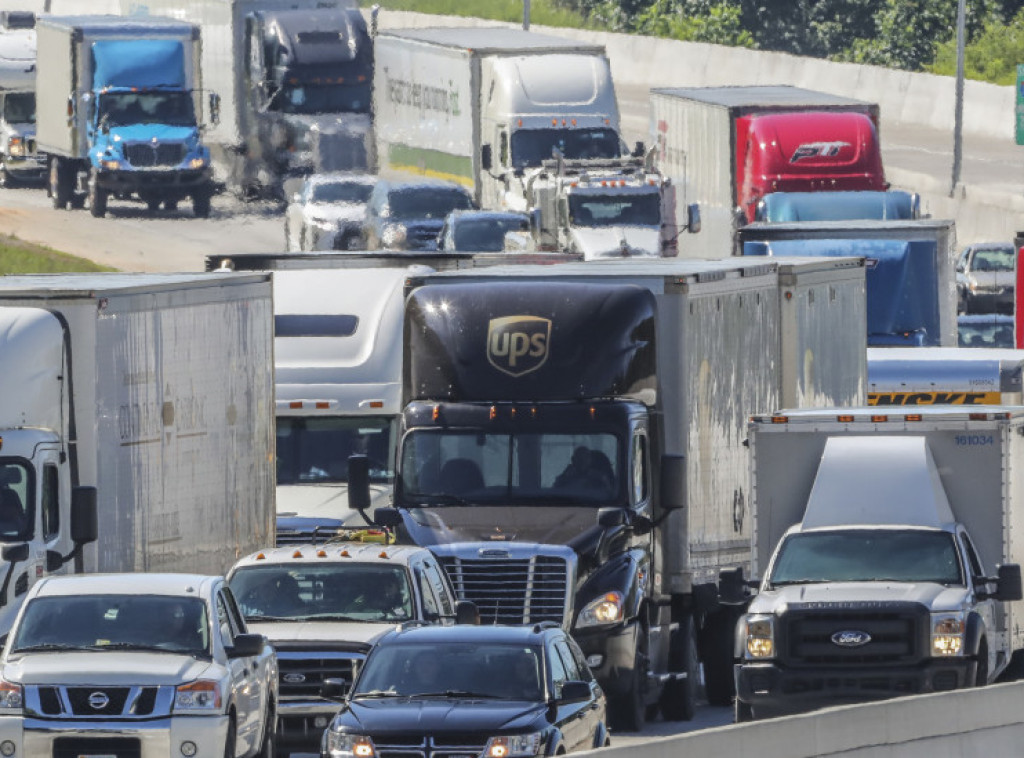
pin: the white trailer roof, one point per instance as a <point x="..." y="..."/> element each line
<point x="497" y="39"/>
<point x="767" y="96"/>
<point x="877" y="481"/>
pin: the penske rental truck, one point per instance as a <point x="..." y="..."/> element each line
<point x="571" y="445"/>
<point x="888" y="545"/>
<point x="944" y="376"/>
<point x="135" y="437"/>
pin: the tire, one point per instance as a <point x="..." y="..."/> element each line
<point x="97" y="197"/>
<point x="268" y="745"/>
<point x="170" y="205"/>
<point x="59" y="186"/>
<point x="153" y="205"/>
<point x="679" y="697"/>
<point x="629" y="711"/>
<point x="981" y="678"/>
<point x="229" y="740"/>
<point x="719" y="685"/>
<point x="5" y="178"/>
<point x="201" y="203"/>
<point x="742" y="712"/>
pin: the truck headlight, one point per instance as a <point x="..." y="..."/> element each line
<point x="11" y="697"/>
<point x="200" y="696"/>
<point x="110" y="165"/>
<point x="393" y="234"/>
<point x="948" y="631"/>
<point x="16" y="147"/>
<point x="606" y="609"/>
<point x="513" y="745"/>
<point x="345" y="745"/>
<point x="759" y="638"/>
<point x="199" y="162"/>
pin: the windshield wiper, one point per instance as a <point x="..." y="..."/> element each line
<point x="788" y="582"/>
<point x="331" y="617"/>
<point x="48" y="646"/>
<point x="260" y="617"/>
<point x="455" y="693"/>
<point x="438" y="500"/>
<point x="375" y="693"/>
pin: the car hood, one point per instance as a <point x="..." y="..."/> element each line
<point x="616" y="241"/>
<point x="992" y="278"/>
<point x="856" y="594"/>
<point x="336" y="211"/>
<point x="433" y="715"/>
<point x="105" y="668"/>
<point x="335" y="633"/>
<point x="328" y="503"/>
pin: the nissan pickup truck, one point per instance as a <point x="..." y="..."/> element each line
<point x="140" y="665"/>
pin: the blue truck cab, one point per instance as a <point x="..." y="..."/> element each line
<point x="127" y="122"/>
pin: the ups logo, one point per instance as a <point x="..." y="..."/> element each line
<point x="517" y="345"/>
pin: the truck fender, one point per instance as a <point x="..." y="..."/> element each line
<point x="627" y="574"/>
<point x="975" y="631"/>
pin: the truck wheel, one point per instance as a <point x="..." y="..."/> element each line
<point x="981" y="678"/>
<point x="201" y="204"/>
<point x="719" y="686"/>
<point x="153" y="205"/>
<point x="97" y="196"/>
<point x="742" y="712"/>
<point x="170" y="205"/>
<point x="679" y="698"/>
<point x="60" y="186"/>
<point x="268" y="745"/>
<point x="630" y="709"/>
<point x="229" y="740"/>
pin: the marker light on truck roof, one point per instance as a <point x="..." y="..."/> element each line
<point x="321" y="553"/>
<point x="845" y="419"/>
<point x="879" y="419"/>
<point x="261" y="557"/>
<point x="297" y="554"/>
<point x="780" y="419"/>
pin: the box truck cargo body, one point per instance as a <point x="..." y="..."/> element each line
<point x="116" y="385"/>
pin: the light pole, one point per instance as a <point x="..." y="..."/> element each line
<point x="526" y="15"/>
<point x="958" y="115"/>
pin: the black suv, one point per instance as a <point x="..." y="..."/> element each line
<point x="409" y="215"/>
<point x="487" y="691"/>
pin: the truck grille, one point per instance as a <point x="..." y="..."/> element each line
<point x="145" y="154"/>
<point x="898" y="635"/>
<point x="74" y="747"/>
<point x="302" y="673"/>
<point x="433" y="746"/>
<point x="513" y="591"/>
<point x="98" y="702"/>
<point x="319" y="535"/>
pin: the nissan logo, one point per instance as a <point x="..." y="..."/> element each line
<point x="294" y="678"/>
<point x="98" y="700"/>
<point x="851" y="638"/>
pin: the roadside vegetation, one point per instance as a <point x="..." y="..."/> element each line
<point x="20" y="257"/>
<point x="915" y="35"/>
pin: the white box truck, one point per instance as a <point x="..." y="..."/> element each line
<point x="484" y="107"/>
<point x="290" y="81"/>
<point x="890" y="545"/>
<point x="18" y="159"/>
<point x="136" y="421"/>
<point x="571" y="446"/>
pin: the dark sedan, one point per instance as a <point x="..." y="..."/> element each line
<point x="468" y="692"/>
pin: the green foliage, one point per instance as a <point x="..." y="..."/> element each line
<point x="714" y="21"/>
<point x="19" y="257"/>
<point x="544" y="12"/>
<point x="992" y="57"/>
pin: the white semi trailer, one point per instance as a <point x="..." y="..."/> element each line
<point x="135" y="437"/>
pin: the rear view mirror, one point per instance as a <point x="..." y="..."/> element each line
<point x="1008" y="585"/>
<point x="84" y="519"/>
<point x="358" y="482"/>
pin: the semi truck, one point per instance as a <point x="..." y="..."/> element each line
<point x="571" y="446"/>
<point x="911" y="279"/>
<point x="890" y="551"/>
<point x="120" y="111"/>
<point x="944" y="376"/>
<point x="338" y="389"/>
<point x="19" y="161"/>
<point x="484" y="107"/>
<point x="827" y="205"/>
<point x="135" y="437"/>
<point x="291" y="84"/>
<point x="725" y="148"/>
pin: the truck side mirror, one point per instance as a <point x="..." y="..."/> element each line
<point x="535" y="220"/>
<point x="15" y="553"/>
<point x="333" y="689"/>
<point x="611" y="517"/>
<point x="358" y="482"/>
<point x="693" y="218"/>
<point x="466" y="612"/>
<point x="1008" y="583"/>
<point x="84" y="519"/>
<point x="54" y="560"/>
<point x="388" y="518"/>
<point x="638" y="150"/>
<point x="732" y="587"/>
<point x="214" y="108"/>
<point x="485" y="157"/>
<point x="672" y="482"/>
<point x="247" y="646"/>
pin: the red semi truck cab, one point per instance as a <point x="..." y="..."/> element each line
<point x="805" y="151"/>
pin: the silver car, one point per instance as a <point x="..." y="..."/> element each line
<point x="328" y="213"/>
<point x="985" y="277"/>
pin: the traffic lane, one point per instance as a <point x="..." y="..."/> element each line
<point x="705" y="717"/>
<point x="131" y="238"/>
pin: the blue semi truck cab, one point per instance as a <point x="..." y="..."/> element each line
<point x="121" y="114"/>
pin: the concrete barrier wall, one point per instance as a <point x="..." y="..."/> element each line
<point x="982" y="723"/>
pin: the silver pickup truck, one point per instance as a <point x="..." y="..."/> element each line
<point x="136" y="666"/>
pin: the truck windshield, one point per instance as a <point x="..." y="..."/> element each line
<point x="323" y="592"/>
<point x="596" y="209"/>
<point x="494" y="670"/>
<point x="426" y="202"/>
<point x="15" y="502"/>
<point x="504" y="469"/>
<point x="868" y="555"/>
<point x="532" y="146"/>
<point x="322" y="98"/>
<point x="115" y="622"/>
<point x="315" y="450"/>
<point x="152" y="107"/>
<point x="20" y="108"/>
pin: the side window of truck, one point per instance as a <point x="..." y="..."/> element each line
<point x="503" y="148"/>
<point x="972" y="557"/>
<point x="228" y="630"/>
<point x="429" y="601"/>
<point x="639" y="480"/>
<point x="51" y="502"/>
<point x="444" y="598"/>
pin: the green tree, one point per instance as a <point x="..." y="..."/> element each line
<point x="991" y="57"/>
<point x="714" y="21"/>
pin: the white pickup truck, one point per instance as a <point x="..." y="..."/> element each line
<point x="136" y="665"/>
